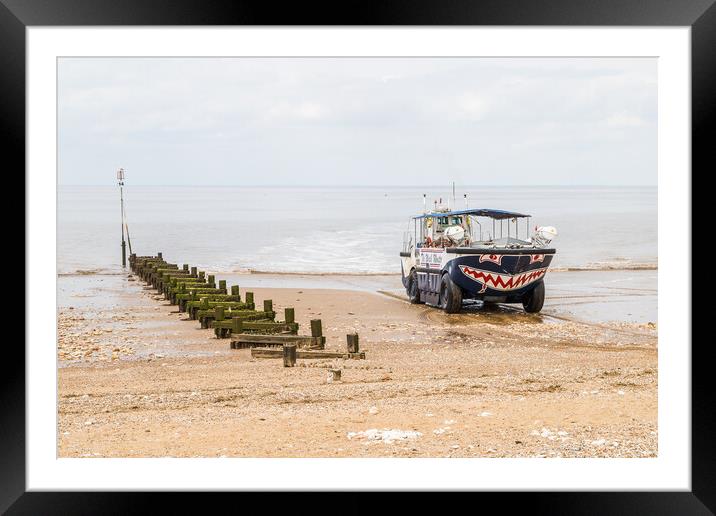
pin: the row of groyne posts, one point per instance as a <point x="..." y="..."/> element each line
<point x="234" y="318"/>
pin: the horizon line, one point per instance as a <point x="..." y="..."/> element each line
<point x="364" y="186"/>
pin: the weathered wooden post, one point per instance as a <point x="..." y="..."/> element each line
<point x="236" y="325"/>
<point x="205" y="303"/>
<point x="289" y="355"/>
<point x="316" y="328"/>
<point x="250" y="298"/>
<point x="222" y="284"/>
<point x="159" y="255"/>
<point x="211" y="278"/>
<point x="201" y="275"/>
<point x="288" y="315"/>
<point x="268" y="305"/>
<point x="352" y="339"/>
<point x="218" y="316"/>
<point x="234" y="290"/>
<point x="185" y="267"/>
<point x="193" y="271"/>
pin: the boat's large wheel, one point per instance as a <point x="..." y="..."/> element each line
<point x="534" y="299"/>
<point x="412" y="288"/>
<point x="450" y="295"/>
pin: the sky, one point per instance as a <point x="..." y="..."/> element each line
<point x="358" y="121"/>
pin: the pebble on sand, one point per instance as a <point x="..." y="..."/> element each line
<point x="386" y="435"/>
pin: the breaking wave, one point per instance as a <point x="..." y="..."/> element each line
<point x="91" y="272"/>
<point x="616" y="266"/>
<point x="592" y="267"/>
<point x="577" y="268"/>
<point x="320" y="273"/>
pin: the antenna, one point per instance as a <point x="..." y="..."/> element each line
<point x="425" y="200"/>
<point x="465" y="196"/>
<point x="453" y="196"/>
<point x="120" y="182"/>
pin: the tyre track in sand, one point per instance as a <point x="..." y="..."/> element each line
<point x="433" y="315"/>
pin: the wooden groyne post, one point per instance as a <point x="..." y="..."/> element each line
<point x="289" y="315"/>
<point x="289" y="355"/>
<point x="316" y="328"/>
<point x="352" y="339"/>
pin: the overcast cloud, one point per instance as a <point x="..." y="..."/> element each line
<point x="372" y="121"/>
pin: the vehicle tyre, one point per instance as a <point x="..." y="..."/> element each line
<point x="450" y="295"/>
<point x="534" y="299"/>
<point x="412" y="288"/>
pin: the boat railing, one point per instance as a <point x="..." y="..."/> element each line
<point x="407" y="241"/>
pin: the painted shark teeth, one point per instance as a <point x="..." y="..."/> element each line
<point x="502" y="282"/>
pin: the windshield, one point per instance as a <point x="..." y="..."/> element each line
<point x="473" y="231"/>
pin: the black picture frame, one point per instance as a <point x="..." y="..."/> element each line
<point x="700" y="15"/>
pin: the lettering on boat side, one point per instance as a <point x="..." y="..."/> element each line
<point x="432" y="258"/>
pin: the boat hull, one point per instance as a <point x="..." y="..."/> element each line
<point x="489" y="275"/>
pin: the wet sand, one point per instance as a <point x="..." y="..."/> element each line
<point x="135" y="379"/>
<point x="589" y="295"/>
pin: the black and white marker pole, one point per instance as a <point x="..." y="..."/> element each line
<point x="120" y="182"/>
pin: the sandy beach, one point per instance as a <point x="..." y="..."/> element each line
<point x="135" y="379"/>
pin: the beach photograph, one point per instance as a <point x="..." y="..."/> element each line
<point x="357" y="257"/>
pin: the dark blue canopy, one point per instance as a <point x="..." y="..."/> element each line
<point x="482" y="212"/>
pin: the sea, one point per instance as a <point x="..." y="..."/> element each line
<point x="335" y="230"/>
